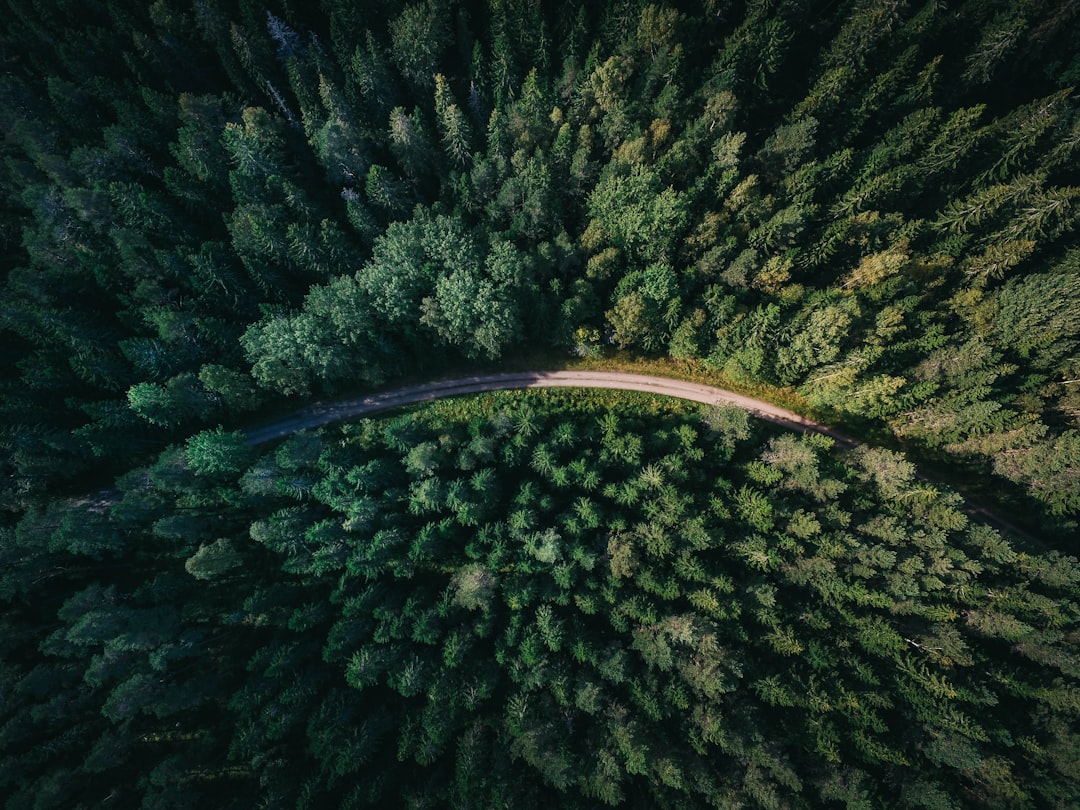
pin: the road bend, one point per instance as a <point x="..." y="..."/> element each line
<point x="320" y="414"/>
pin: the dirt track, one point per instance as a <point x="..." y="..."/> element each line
<point x="319" y="414"/>
<point x="324" y="414"/>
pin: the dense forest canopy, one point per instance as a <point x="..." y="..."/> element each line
<point x="874" y="204"/>
<point x="214" y="206"/>
<point x="543" y="600"/>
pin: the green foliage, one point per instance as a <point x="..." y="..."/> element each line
<point x="801" y="195"/>
<point x="634" y="213"/>
<point x="214" y="560"/>
<point x="207" y="207"/>
<point x="216" y="452"/>
<point x="597" y="612"/>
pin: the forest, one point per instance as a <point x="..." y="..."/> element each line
<point x="215" y="210"/>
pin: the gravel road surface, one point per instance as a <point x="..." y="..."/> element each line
<point x="323" y="414"/>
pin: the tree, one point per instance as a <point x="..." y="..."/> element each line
<point x="181" y="400"/>
<point x="630" y="210"/>
<point x="892" y="473"/>
<point x="419" y="35"/>
<point x="1049" y="469"/>
<point x="786" y="148"/>
<point x="471" y="312"/>
<point x="814" y="337"/>
<point x="1035" y="316"/>
<point x="455" y="127"/>
<point x="214" y="560"/>
<point x="474" y="587"/>
<point x="217" y="452"/>
<point x="198" y="147"/>
<point x="410" y="142"/>
<point x="646" y="308"/>
<point x="385" y="190"/>
<point x="332" y="340"/>
<point x="237" y="390"/>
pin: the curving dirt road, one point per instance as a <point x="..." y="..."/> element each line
<point x="320" y="414"/>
